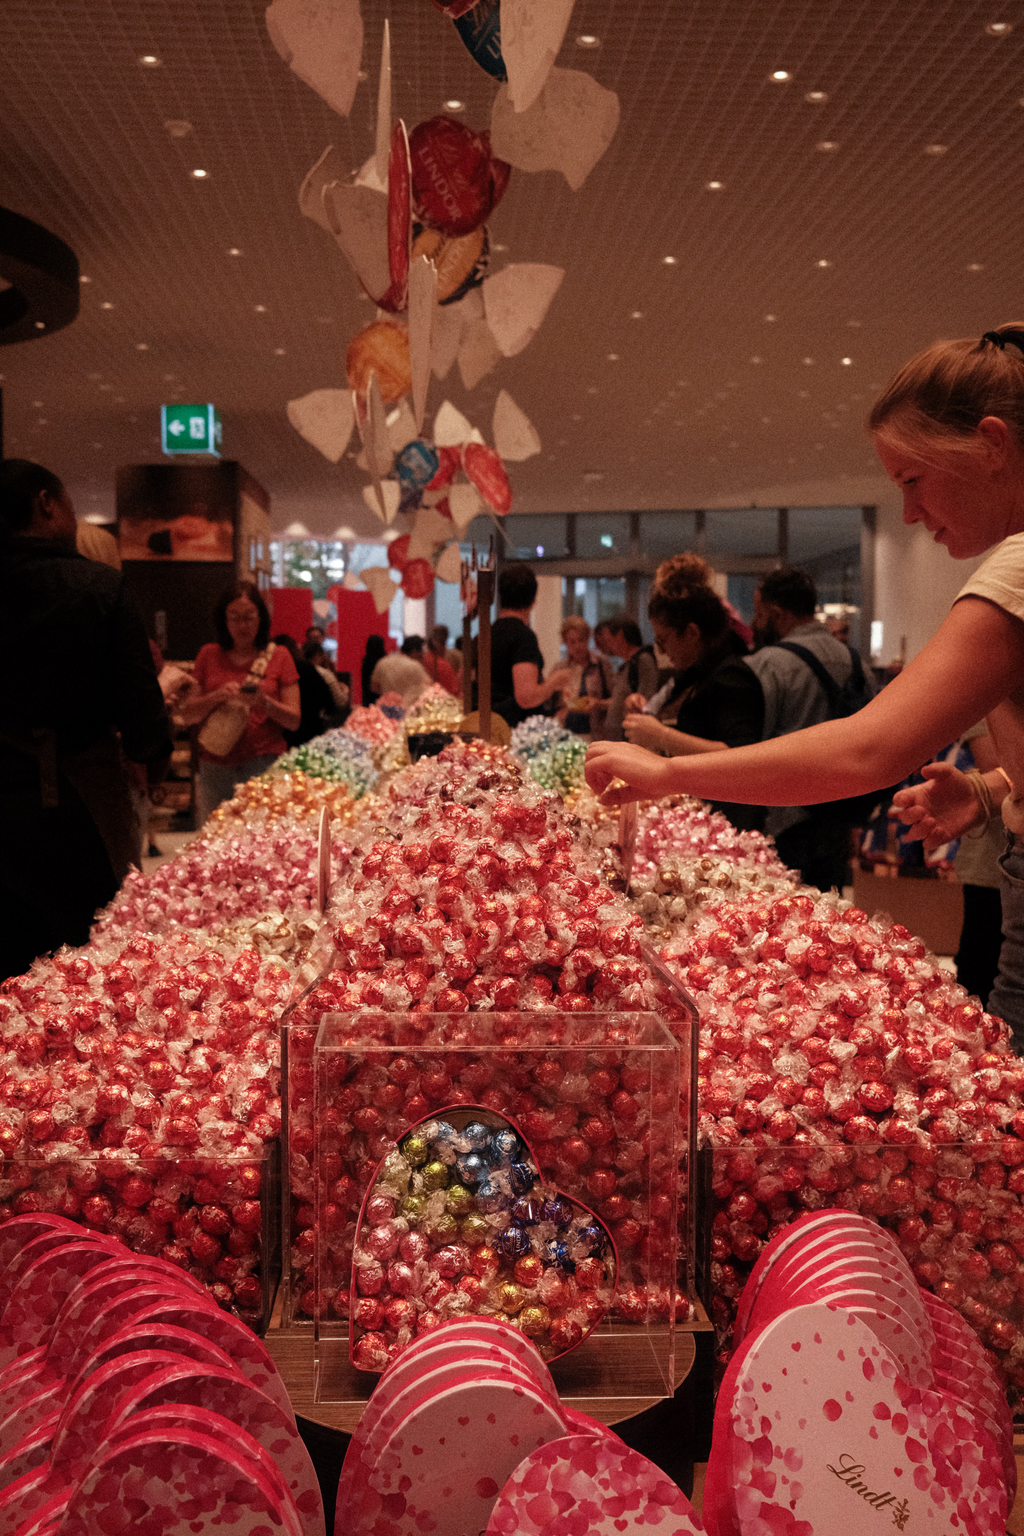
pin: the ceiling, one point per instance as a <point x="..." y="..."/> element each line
<point x="860" y="228"/>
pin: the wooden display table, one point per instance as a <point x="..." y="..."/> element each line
<point x="292" y="1351"/>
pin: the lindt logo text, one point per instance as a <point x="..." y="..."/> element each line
<point x="851" y="1472"/>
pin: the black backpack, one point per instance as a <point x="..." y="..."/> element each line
<point x="855" y="810"/>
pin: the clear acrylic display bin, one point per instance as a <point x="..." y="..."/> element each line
<point x="590" y="1094"/>
<point x="217" y="1217"/>
<point x="955" y="1210"/>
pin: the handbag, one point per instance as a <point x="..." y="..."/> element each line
<point x="224" y="726"/>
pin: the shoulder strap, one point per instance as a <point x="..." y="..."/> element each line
<point x="262" y="662"/>
<point x="828" y="683"/>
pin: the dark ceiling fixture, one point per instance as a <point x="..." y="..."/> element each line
<point x="42" y="272"/>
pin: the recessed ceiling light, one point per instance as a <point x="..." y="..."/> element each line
<point x="613" y="357"/>
<point x="669" y="261"/>
<point x="822" y="263"/>
<point x="142" y="346"/>
<point x="855" y="324"/>
<point x="499" y="247"/>
<point x="455" y="106"/>
<point x="780" y="76"/>
<point x="757" y="359"/>
<point x="362" y="75"/>
<point x="279" y="351"/>
<point x="936" y="149"/>
<point x="975" y="266"/>
<point x="998" y="28"/>
<point x="808" y="362"/>
<point x="770" y="319"/>
<point x="592" y="389"/>
<point x="106" y="304"/>
<point x="847" y="362"/>
<point x="37" y="405"/>
<point x="715" y="186"/>
<point x="817" y="98"/>
<point x="588" y="40"/>
<point x="178" y="127"/>
<point x="199" y="175"/>
<point x="83" y="279"/>
<point x="260" y="309"/>
<point x="827" y="145"/>
<point x="637" y="314"/>
<point x="150" y="60"/>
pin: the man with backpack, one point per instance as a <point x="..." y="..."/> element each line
<point x="807" y="676"/>
<point x="638" y="674"/>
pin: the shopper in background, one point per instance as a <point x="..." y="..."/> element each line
<point x="375" y="650"/>
<point x="636" y="680"/>
<point x="79" y="675"/>
<point x="949" y="430"/>
<point x="438" y="641"/>
<point x="401" y="673"/>
<point x="715" y="700"/>
<point x="591" y="679"/>
<point x="680" y="572"/>
<point x="248" y="690"/>
<point x="977" y="868"/>
<point x="518" y="687"/>
<point x="433" y="659"/>
<point x="314" y="644"/>
<point x="316" y="702"/>
<point x="341" y="695"/>
<point x="815" y="841"/>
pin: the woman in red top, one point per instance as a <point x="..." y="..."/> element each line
<point x="243" y="626"/>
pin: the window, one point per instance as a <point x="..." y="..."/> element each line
<point x="593" y="530"/>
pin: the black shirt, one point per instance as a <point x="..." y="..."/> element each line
<point x="76" y="657"/>
<point x="512" y="641"/>
<point x="720" y="699"/>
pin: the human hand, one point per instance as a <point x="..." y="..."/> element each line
<point x="644" y="731"/>
<point x="644" y="775"/>
<point x="635" y="704"/>
<point x="560" y="679"/>
<point x="258" y="706"/>
<point x="942" y="808"/>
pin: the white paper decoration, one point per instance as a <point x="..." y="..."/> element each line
<point x="449" y="566"/>
<point x="515" y="436"/>
<point x="531" y="36"/>
<point x="516" y="299"/>
<point x="325" y="418"/>
<point x="567" y="129"/>
<point x="321" y="41"/>
<point x="377" y="580"/>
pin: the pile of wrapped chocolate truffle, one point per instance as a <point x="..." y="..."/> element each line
<point x="840" y="1064"/>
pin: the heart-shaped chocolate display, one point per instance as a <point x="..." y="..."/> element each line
<point x="456" y="1222"/>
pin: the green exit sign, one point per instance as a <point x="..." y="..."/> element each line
<point x="189" y="429"/>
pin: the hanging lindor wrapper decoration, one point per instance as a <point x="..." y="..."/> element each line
<point x="456" y="181"/>
<point x="480" y="30"/>
<point x="380" y="348"/>
<point x="485" y="469"/>
<point x="417" y="578"/>
<point x="396" y="298"/>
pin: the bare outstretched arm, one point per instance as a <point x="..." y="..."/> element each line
<point x="974" y="660"/>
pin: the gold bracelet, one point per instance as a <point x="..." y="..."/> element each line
<point x="1004" y="775"/>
